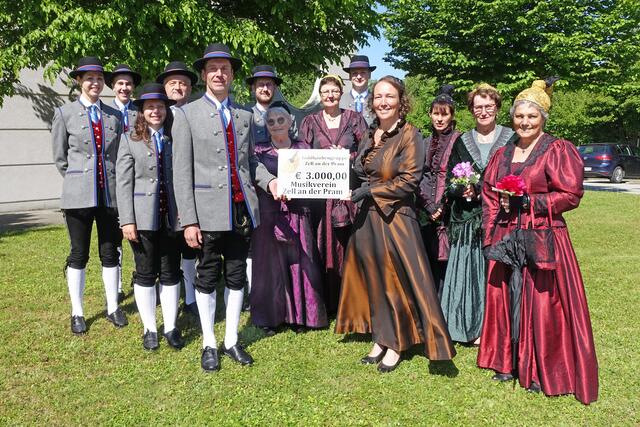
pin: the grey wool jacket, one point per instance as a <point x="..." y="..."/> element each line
<point x="138" y="183"/>
<point x="201" y="169"/>
<point x="76" y="158"/>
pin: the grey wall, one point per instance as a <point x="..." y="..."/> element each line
<point x="28" y="178"/>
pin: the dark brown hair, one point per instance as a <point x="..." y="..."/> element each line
<point x="484" y="91"/>
<point x="405" y="102"/>
<point x="442" y="107"/>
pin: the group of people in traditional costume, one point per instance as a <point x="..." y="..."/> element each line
<point x="193" y="187"/>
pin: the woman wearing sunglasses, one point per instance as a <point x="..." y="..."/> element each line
<point x="463" y="290"/>
<point x="286" y="287"/>
<point x="333" y="128"/>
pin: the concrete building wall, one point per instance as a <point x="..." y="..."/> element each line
<point x="28" y="178"/>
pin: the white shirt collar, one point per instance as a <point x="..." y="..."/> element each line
<point x="217" y="103"/>
<point x="84" y="101"/>
<point x="355" y="94"/>
<point x="120" y="105"/>
<point x="160" y="131"/>
<point x="260" y="108"/>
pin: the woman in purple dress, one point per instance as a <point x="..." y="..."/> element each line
<point x="333" y="128"/>
<point x="286" y="285"/>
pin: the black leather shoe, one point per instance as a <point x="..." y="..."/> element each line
<point x="174" y="338"/>
<point x="386" y="368"/>
<point x="502" y="377"/>
<point x="209" y="360"/>
<point x="534" y="388"/>
<point x="268" y="331"/>
<point x="78" y="326"/>
<point x="372" y="360"/>
<point x="238" y="354"/>
<point x="118" y="318"/>
<point x="150" y="340"/>
<point x="192" y="309"/>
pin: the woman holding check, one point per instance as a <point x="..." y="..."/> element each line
<point x="286" y="283"/>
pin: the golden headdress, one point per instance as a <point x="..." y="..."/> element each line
<point x="485" y="86"/>
<point x="539" y="93"/>
<point x="334" y="76"/>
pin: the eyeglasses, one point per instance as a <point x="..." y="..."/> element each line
<point x="280" y="121"/>
<point x="488" y="108"/>
<point x="331" y="91"/>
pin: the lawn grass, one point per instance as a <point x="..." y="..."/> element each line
<point x="48" y="376"/>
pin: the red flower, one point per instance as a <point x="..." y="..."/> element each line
<point x="513" y="184"/>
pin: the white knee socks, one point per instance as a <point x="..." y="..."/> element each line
<point x="233" y="299"/>
<point x="146" y="302"/>
<point x="119" y="269"/>
<point x="189" y="275"/>
<point x="249" y="275"/>
<point x="110" y="279"/>
<point x="75" y="282"/>
<point x="207" y="311"/>
<point x="169" y="297"/>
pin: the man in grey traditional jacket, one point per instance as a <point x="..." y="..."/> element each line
<point x="215" y="170"/>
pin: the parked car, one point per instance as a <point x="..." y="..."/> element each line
<point x="610" y="160"/>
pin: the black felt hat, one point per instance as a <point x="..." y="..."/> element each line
<point x="153" y="91"/>
<point x="217" y="50"/>
<point x="359" y="61"/>
<point x="179" y="68"/>
<point x="89" y="63"/>
<point x="123" y="69"/>
<point x="445" y="95"/>
<point x="263" y="71"/>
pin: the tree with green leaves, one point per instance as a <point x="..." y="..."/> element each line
<point x="295" y="36"/>
<point x="593" y="45"/>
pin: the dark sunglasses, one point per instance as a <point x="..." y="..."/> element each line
<point x="272" y="122"/>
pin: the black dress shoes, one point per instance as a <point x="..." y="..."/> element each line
<point x="502" y="377"/>
<point x="534" y="388"/>
<point x="386" y="368"/>
<point x="209" y="360"/>
<point x="118" y="318"/>
<point x="268" y="331"/>
<point x="78" y="326"/>
<point x="238" y="354"/>
<point x="372" y="360"/>
<point x="150" y="340"/>
<point x="174" y="338"/>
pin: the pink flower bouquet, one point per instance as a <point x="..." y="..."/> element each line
<point x="464" y="176"/>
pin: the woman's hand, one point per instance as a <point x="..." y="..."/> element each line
<point x="504" y="202"/>
<point x="469" y="193"/>
<point x="436" y="215"/>
<point x="130" y="232"/>
<point x="273" y="189"/>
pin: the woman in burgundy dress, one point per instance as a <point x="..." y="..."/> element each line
<point x="333" y="128"/>
<point x="555" y="351"/>
<point x="286" y="283"/>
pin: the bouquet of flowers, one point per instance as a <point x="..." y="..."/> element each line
<point x="511" y="185"/>
<point x="464" y="175"/>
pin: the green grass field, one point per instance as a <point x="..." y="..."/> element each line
<point x="48" y="376"/>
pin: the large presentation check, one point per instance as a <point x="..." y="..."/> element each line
<point x="313" y="174"/>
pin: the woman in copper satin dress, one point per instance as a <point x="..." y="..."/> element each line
<point x="555" y="351"/>
<point x="387" y="286"/>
